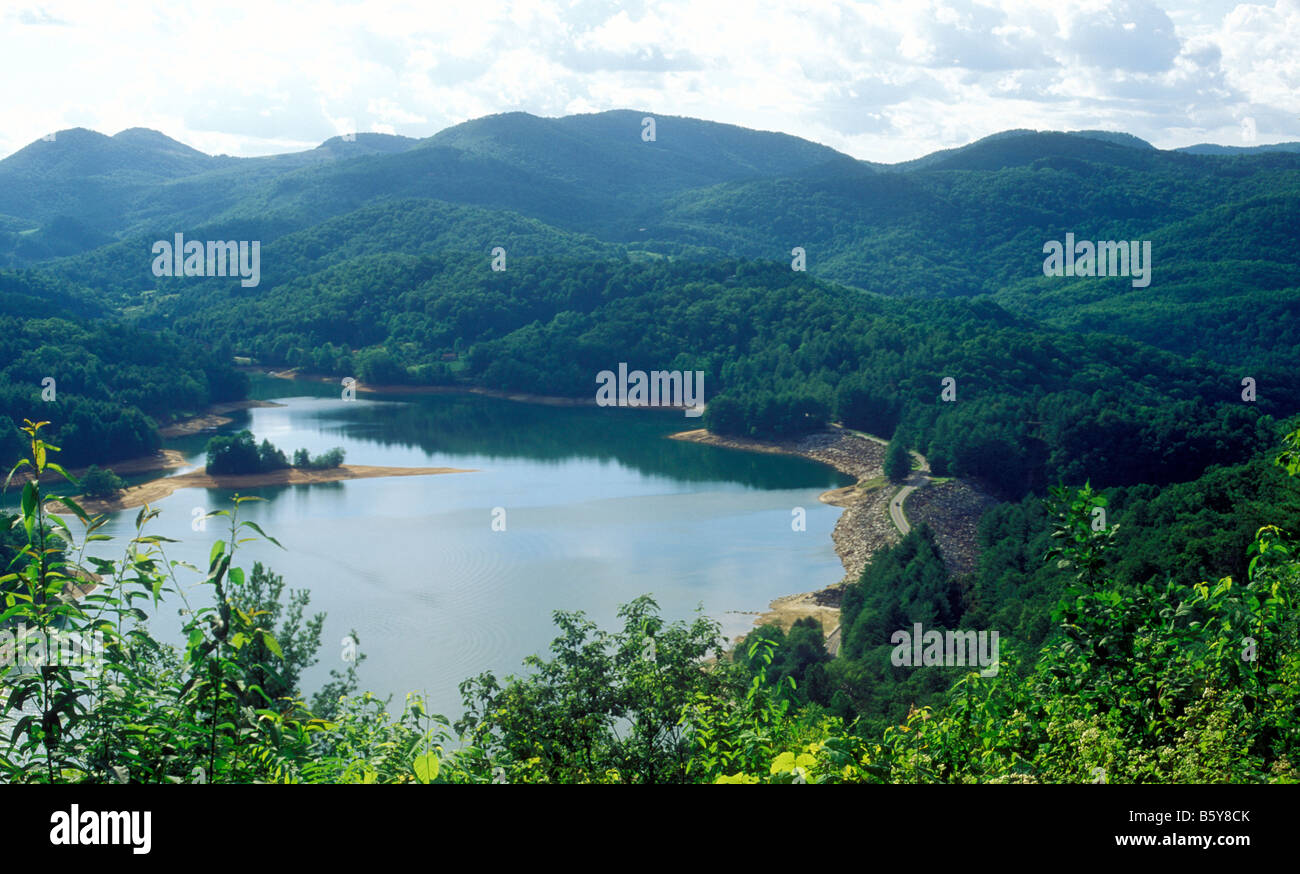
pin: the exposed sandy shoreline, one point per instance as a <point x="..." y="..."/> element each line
<point x="211" y="418"/>
<point x="163" y="459"/>
<point x="156" y="490"/>
<point x="167" y="459"/>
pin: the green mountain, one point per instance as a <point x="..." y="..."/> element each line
<point x="1215" y="149"/>
<point x="375" y="260"/>
<point x="582" y="173"/>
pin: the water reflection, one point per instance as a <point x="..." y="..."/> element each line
<point x="471" y="425"/>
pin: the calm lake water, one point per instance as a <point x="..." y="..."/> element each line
<point x="599" y="508"/>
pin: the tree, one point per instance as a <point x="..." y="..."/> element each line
<point x="275" y="672"/>
<point x="898" y="462"/>
<point x="101" y="484"/>
<point x="799" y="654"/>
<point x="725" y="415"/>
<point x="270" y="458"/>
<point x="380" y="367"/>
<point x="857" y="406"/>
<point x="608" y="706"/>
<point x="233" y="454"/>
<point x="303" y="459"/>
<point x="239" y="454"/>
<point x="333" y="458"/>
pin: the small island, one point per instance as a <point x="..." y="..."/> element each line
<point x="237" y="462"/>
<point x="238" y="454"/>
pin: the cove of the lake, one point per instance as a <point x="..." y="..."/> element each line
<point x="599" y="507"/>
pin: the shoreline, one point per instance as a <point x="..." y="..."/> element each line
<point x="163" y="459"/>
<point x="857" y="533"/>
<point x="210" y="419"/>
<point x="383" y="389"/>
<point x="500" y="394"/>
<point x="862" y="528"/>
<point x="156" y="490"/>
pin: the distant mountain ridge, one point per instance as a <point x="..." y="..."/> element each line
<point x="591" y="174"/>
<point x="596" y="166"/>
<point x="711" y="151"/>
<point x="959" y="222"/>
<point x="1215" y="149"/>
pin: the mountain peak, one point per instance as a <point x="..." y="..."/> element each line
<point x="72" y="135"/>
<point x="1020" y="147"/>
<point x="1119" y="138"/>
<point x="78" y="153"/>
<point x="366" y="144"/>
<point x="143" y="137"/>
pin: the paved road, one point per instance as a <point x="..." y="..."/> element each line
<point x="896" y="506"/>
<point x="914" y="481"/>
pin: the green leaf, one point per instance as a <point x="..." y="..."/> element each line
<point x="217" y="548"/>
<point x="272" y="644"/>
<point x="21" y="463"/>
<point x="425" y="768"/>
<point x="259" y="530"/>
<point x="29" y="506"/>
<point x="59" y="470"/>
<point x="782" y="763"/>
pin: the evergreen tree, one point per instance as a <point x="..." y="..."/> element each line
<point x="898" y="463"/>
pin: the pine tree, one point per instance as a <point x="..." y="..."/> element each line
<point x="898" y="464"/>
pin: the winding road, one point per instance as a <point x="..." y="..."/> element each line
<point x="915" y="480"/>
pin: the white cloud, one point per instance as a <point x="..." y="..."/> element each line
<point x="1260" y="48"/>
<point x="885" y="80"/>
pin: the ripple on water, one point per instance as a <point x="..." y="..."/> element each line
<point x="450" y="616"/>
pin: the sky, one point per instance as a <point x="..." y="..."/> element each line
<point x="883" y="81"/>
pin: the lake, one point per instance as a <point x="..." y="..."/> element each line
<point x="599" y="508"/>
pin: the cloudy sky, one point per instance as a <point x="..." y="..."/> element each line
<point x="885" y="81"/>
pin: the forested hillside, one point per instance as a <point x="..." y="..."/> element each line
<point x="1181" y="534"/>
<point x="970" y="221"/>
<point x="111" y="384"/>
<point x="1033" y="404"/>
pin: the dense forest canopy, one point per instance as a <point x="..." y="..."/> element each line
<point x="107" y="384"/>
<point x="782" y="352"/>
